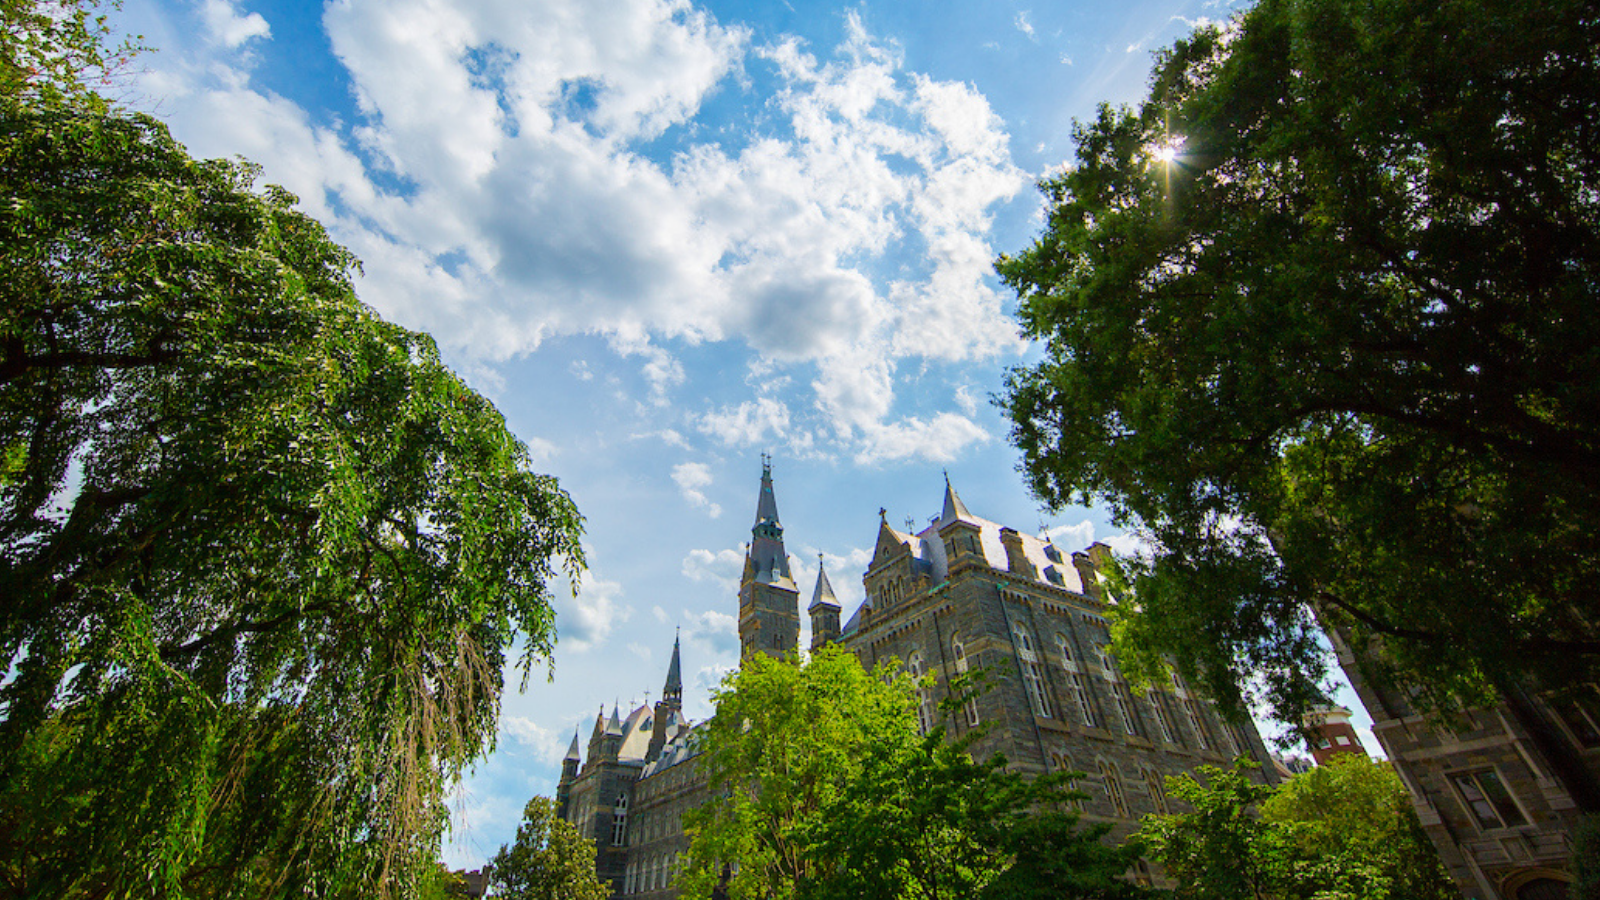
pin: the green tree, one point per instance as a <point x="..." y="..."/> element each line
<point x="1319" y="317"/>
<point x="53" y="48"/>
<point x="263" y="555"/>
<point x="1340" y="832"/>
<point x="829" y="792"/>
<point x="1352" y="820"/>
<point x="549" y="860"/>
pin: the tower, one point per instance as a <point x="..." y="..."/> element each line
<point x="669" y="707"/>
<point x="769" y="602"/>
<point x="824" y="610"/>
<point x="569" y="774"/>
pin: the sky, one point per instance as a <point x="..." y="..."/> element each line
<point x="665" y="237"/>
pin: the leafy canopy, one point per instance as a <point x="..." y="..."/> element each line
<point x="1345" y="831"/>
<point x="1319" y="316"/>
<point x="549" y="860"/>
<point x="263" y="555"/>
<point x="822" y="788"/>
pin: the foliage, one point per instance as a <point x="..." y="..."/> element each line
<point x="1319" y="317"/>
<point x="52" y="48"/>
<point x="1345" y="831"/>
<point x="263" y="555"/>
<point x="827" y="791"/>
<point x="549" y="860"/>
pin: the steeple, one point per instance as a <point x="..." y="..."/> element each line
<point x="572" y="751"/>
<point x="672" y="691"/>
<point x="824" y="610"/>
<point x="953" y="507"/>
<point x="767" y="561"/>
<point x="823" y="594"/>
<point x="769" y="602"/>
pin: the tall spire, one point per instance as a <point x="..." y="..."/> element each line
<point x="823" y="594"/>
<point x="767" y="556"/>
<point x="673" y="691"/>
<point x="573" y="752"/>
<point x="953" y="507"/>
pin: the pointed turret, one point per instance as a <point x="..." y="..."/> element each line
<point x="672" y="691"/>
<point x="824" y="610"/>
<point x="569" y="774"/>
<point x="614" y="724"/>
<point x="953" y="507"/>
<point x="668" y="707"/>
<point x="573" y="752"/>
<point x="769" y="602"/>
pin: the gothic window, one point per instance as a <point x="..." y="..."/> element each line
<point x="959" y="651"/>
<point x="1486" y="796"/>
<point x="1163" y="726"/>
<point x="1113" y="783"/>
<point x="1193" y="713"/>
<point x="629" y="881"/>
<point x="1124" y="707"/>
<point x="1075" y="685"/>
<point x="1063" y="763"/>
<point x="1032" y="677"/>
<point x="1154" y="783"/>
<point x="1231" y="738"/>
<point x="1102" y="652"/>
<point x="619" y="821"/>
<point x="1581" y="718"/>
<point x="924" y="696"/>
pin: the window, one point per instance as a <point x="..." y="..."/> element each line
<point x="959" y="651"/>
<point x="924" y="696"/>
<point x="1032" y="677"/>
<point x="1113" y="783"/>
<point x="1194" y="723"/>
<point x="619" y="821"/>
<point x="1063" y="763"/>
<point x="1075" y="686"/>
<point x="1156" y="786"/>
<point x="1124" y="707"/>
<point x="1491" y="804"/>
<point x="1581" y="718"/>
<point x="1231" y="735"/>
<point x="1163" y="725"/>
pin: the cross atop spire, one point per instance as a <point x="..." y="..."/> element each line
<point x="766" y="554"/>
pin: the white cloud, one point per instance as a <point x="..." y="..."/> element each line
<point x="721" y="567"/>
<point x="540" y="451"/>
<point x="225" y="26"/>
<point x="586" y="620"/>
<point x="1022" y="23"/>
<point x="965" y="402"/>
<point x="718" y="631"/>
<point x="939" y="439"/>
<point x="543" y="743"/>
<point x="1073" y="537"/>
<point x="690" y="478"/>
<point x="750" y="423"/>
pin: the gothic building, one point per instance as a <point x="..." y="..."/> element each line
<point x="964" y="594"/>
<point x="1494" y="787"/>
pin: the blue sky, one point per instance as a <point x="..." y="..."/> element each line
<point x="665" y="237"/>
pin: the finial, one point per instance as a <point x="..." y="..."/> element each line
<point x="882" y="513"/>
<point x="911" y="523"/>
<point x="946" y="477"/>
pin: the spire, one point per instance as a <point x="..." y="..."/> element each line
<point x="572" y="752"/>
<point x="672" y="692"/>
<point x="767" y="557"/>
<point x="599" y="722"/>
<point x="615" y="724"/>
<point x="953" y="507"/>
<point x="823" y="595"/>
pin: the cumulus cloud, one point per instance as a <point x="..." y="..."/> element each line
<point x="941" y="439"/>
<point x="716" y="630"/>
<point x="1023" y="24"/>
<point x="720" y="567"/>
<point x="501" y="187"/>
<point x="1073" y="537"/>
<point x="587" y="619"/>
<point x="691" y="478"/>
<point x="528" y="735"/>
<point x="226" y="27"/>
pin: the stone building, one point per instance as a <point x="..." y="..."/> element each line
<point x="1493" y="787"/>
<point x="963" y="595"/>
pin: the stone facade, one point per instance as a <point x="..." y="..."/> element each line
<point x="965" y="595"/>
<point x="1486" y="790"/>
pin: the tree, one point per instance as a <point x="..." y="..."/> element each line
<point x="827" y="791"/>
<point x="549" y="860"/>
<point x="1340" y="832"/>
<point x="263" y="555"/>
<point x="1351" y="821"/>
<point x="1319" y="317"/>
<point x="51" y="48"/>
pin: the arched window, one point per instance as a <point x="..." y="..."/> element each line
<point x="1032" y="677"/>
<point x="958" y="650"/>
<point x="1193" y="713"/>
<point x="1156" y="786"/>
<point x="1075" y="684"/>
<point x="1113" y="784"/>
<point x="924" y="696"/>
<point x="1119" y="691"/>
<point x="619" y="821"/>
